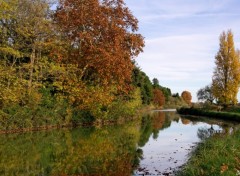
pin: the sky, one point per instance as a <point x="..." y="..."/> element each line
<point x="182" y="39"/>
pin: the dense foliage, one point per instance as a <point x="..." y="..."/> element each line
<point x="225" y="81"/>
<point x="187" y="97"/>
<point x="158" y="98"/>
<point x="226" y="75"/>
<point x="71" y="65"/>
<point x="210" y="113"/>
<point x="205" y="94"/>
<point x="141" y="80"/>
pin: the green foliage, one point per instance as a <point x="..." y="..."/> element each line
<point x="165" y="90"/>
<point x="205" y="94"/>
<point x="176" y="95"/>
<point x="213" y="114"/>
<point x="235" y="109"/>
<point x="122" y="108"/>
<point x="51" y="77"/>
<point x="141" y="80"/>
<point x="175" y="102"/>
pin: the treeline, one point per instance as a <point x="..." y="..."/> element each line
<point x="152" y="93"/>
<point x="71" y="65"/>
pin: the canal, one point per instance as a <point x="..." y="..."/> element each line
<point x="159" y="143"/>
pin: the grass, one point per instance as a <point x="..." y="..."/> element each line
<point x="218" y="155"/>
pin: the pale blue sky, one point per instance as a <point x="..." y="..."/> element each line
<point x="182" y="39"/>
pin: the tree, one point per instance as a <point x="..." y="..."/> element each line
<point x="155" y="83"/>
<point x="158" y="97"/>
<point x="165" y="90"/>
<point x="101" y="40"/>
<point x="205" y="94"/>
<point x="226" y="76"/>
<point x="25" y="31"/>
<point x="141" y="80"/>
<point x="187" y="97"/>
<point x="25" y="27"/>
<point x="176" y="95"/>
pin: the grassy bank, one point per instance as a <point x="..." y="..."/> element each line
<point x="200" y="112"/>
<point x="219" y="155"/>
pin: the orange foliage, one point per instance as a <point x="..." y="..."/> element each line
<point x="185" y="121"/>
<point x="101" y="40"/>
<point x="158" y="120"/>
<point x="158" y="97"/>
<point x="187" y="97"/>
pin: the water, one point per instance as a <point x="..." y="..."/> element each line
<point x="157" y="144"/>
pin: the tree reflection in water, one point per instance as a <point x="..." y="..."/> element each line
<point x="153" y="123"/>
<point x="115" y="150"/>
<point x="106" y="151"/>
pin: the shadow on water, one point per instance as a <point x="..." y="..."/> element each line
<point x="158" y="144"/>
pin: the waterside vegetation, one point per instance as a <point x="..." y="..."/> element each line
<point x="71" y="64"/>
<point x="218" y="155"/>
<point x="210" y="113"/>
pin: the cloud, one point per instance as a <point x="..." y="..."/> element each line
<point x="182" y="39"/>
<point x="178" y="55"/>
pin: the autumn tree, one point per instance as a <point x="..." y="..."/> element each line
<point x="101" y="40"/>
<point x="187" y="97"/>
<point x="205" y="94"/>
<point x="226" y="77"/>
<point x="25" y="33"/>
<point x="77" y="59"/>
<point x="33" y="27"/>
<point x="158" y="97"/>
<point x="24" y="28"/>
<point x="165" y="90"/>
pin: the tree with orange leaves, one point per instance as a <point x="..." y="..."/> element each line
<point x="158" y="97"/>
<point x="187" y="97"/>
<point x="101" y="40"/>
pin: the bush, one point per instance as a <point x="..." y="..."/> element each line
<point x="214" y="114"/>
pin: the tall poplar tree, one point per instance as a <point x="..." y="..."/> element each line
<point x="226" y="77"/>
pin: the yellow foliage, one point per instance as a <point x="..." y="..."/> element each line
<point x="11" y="88"/>
<point x="226" y="76"/>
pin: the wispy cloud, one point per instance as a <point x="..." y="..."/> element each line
<point x="182" y="38"/>
<point x="178" y="57"/>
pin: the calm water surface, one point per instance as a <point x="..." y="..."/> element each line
<point x="157" y="144"/>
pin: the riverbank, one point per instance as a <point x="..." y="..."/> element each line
<point x="218" y="155"/>
<point x="107" y="122"/>
<point x="213" y="114"/>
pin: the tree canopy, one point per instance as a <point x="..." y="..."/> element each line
<point x="205" y="94"/>
<point x="187" y="97"/>
<point x="101" y="38"/>
<point x="226" y="77"/>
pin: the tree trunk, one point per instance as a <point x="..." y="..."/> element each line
<point x="32" y="61"/>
